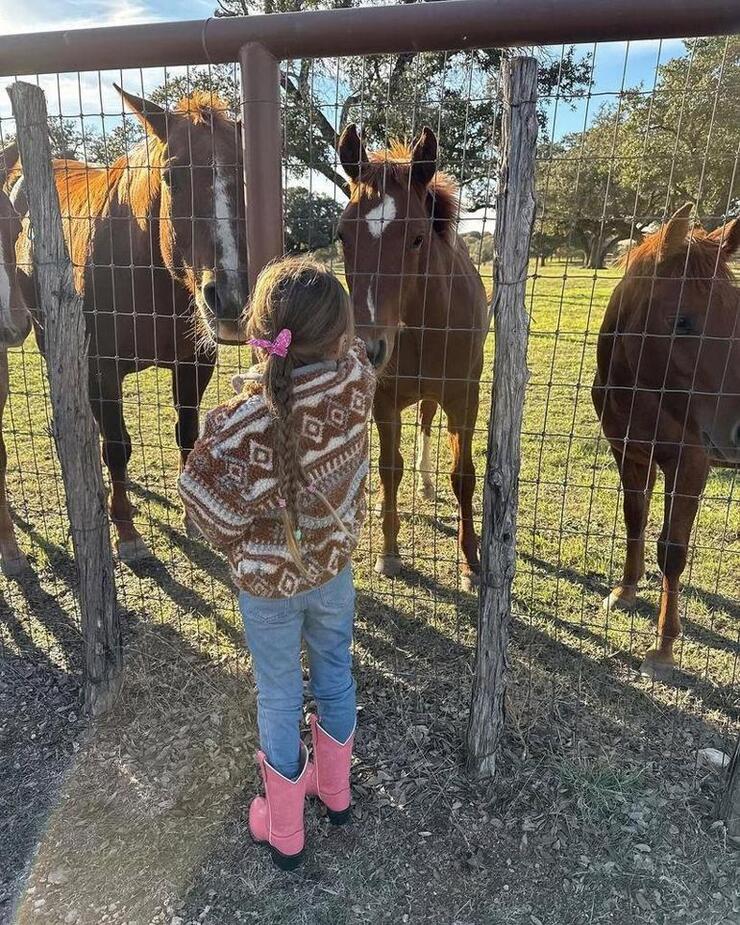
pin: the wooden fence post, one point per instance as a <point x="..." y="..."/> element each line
<point x="75" y="431"/>
<point x="515" y="205"/>
<point x="729" y="808"/>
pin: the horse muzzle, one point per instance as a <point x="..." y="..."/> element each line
<point x="377" y="351"/>
<point x="13" y="334"/>
<point x="223" y="297"/>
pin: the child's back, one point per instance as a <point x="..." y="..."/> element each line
<point x="231" y="490"/>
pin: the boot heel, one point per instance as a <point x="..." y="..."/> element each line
<point x="340" y="818"/>
<point x="286" y="861"/>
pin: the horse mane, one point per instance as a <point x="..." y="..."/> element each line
<point x="394" y="163"/>
<point x="134" y="179"/>
<point x="701" y="257"/>
<point x="202" y="107"/>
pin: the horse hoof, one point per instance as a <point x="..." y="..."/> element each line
<point x="427" y="492"/>
<point x="133" y="550"/>
<point x="657" y="666"/>
<point x="388" y="566"/>
<point x="16" y="565"/>
<point x="620" y="599"/>
<point x="470" y="582"/>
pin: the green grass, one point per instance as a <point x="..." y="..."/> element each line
<point x="587" y="736"/>
<point x="571" y="535"/>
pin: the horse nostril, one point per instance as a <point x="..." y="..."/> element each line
<point x="376" y="351"/>
<point x="210" y="294"/>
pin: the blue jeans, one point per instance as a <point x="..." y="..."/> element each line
<point x="274" y="628"/>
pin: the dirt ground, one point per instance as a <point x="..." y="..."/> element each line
<point x="140" y="818"/>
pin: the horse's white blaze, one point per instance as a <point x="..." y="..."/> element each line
<point x="371" y="302"/>
<point x="225" y="218"/>
<point x="424" y="454"/>
<point x="4" y="287"/>
<point x="381" y="216"/>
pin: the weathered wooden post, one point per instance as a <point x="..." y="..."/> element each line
<point x="729" y="808"/>
<point x="515" y="207"/>
<point x="75" y="431"/>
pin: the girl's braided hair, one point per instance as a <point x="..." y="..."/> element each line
<point x="309" y="301"/>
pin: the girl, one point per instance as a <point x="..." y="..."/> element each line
<point x="278" y="482"/>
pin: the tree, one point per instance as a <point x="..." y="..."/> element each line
<point x="581" y="201"/>
<point x="679" y="143"/>
<point x="65" y="139"/>
<point x="310" y="220"/>
<point x="645" y="155"/>
<point x="544" y="245"/>
<point x="395" y="95"/>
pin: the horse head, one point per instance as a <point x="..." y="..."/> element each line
<point x="679" y="300"/>
<point x="399" y="208"/>
<point x="196" y="150"/>
<point x="15" y="319"/>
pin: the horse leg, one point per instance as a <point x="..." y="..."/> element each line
<point x="106" y="403"/>
<point x="189" y="381"/>
<point x="684" y="482"/>
<point x="638" y="479"/>
<point x="388" y="421"/>
<point x="12" y="560"/>
<point x="461" y="418"/>
<point x="426" y="490"/>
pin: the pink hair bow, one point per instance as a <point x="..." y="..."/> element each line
<point x="277" y="347"/>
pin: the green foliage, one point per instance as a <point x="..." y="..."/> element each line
<point x="648" y="154"/>
<point x="310" y="220"/>
<point x="395" y="95"/>
<point x="480" y="246"/>
<point x="680" y="143"/>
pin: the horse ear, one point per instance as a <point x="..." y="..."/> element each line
<point x="151" y="116"/>
<point x="8" y="160"/>
<point x="728" y="236"/>
<point x="352" y="153"/>
<point x="676" y="230"/>
<point x="424" y="157"/>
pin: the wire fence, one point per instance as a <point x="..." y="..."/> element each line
<point x="628" y="133"/>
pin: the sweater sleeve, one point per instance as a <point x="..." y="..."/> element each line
<point x="216" y="486"/>
<point x="368" y="376"/>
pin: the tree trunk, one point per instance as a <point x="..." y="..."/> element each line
<point x="515" y="210"/>
<point x="75" y="431"/>
<point x="594" y="258"/>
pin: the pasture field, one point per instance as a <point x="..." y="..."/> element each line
<point x="602" y="811"/>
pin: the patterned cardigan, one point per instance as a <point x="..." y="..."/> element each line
<point x="229" y="488"/>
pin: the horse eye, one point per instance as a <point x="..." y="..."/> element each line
<point x="682" y="324"/>
<point x="417" y="242"/>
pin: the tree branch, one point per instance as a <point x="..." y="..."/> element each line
<point x="325" y="128"/>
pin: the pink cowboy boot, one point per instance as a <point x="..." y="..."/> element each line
<point x="328" y="774"/>
<point x="277" y="818"/>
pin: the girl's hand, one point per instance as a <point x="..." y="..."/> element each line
<point x="237" y="383"/>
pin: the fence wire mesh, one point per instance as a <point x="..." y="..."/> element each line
<point x="628" y="133"/>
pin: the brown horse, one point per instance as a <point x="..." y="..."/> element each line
<point x="15" y="324"/>
<point x="667" y="392"/>
<point x="421" y="308"/>
<point x="157" y="242"/>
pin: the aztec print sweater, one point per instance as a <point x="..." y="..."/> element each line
<point x="229" y="488"/>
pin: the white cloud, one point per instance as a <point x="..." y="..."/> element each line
<point x="43" y="15"/>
